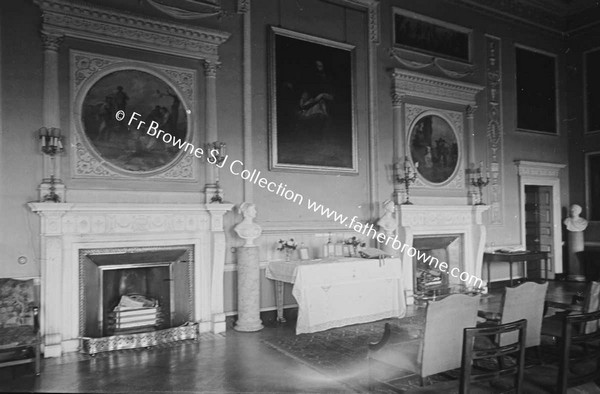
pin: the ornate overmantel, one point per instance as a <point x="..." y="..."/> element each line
<point x="426" y="220"/>
<point x="67" y="228"/>
<point x="65" y="18"/>
<point x="433" y="94"/>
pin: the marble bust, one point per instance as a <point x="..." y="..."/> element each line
<point x="247" y="229"/>
<point x="388" y="222"/>
<point x="574" y="222"/>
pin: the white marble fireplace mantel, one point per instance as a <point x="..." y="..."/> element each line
<point x="438" y="220"/>
<point x="68" y="227"/>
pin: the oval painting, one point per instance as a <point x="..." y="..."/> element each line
<point x="434" y="148"/>
<point x="123" y="146"/>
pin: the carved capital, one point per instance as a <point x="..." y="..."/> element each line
<point x="210" y="68"/>
<point x="397" y="98"/>
<point x="51" y="41"/>
<point x="470" y="110"/>
<point x="243" y="6"/>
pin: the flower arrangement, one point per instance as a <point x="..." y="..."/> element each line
<point x="287" y="245"/>
<point x="355" y="242"/>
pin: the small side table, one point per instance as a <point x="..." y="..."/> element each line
<point x="515" y="257"/>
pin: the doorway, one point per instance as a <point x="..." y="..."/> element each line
<point x="540" y="206"/>
<point x="539" y="227"/>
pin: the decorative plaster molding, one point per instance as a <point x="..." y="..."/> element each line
<point x="96" y="219"/>
<point x="538" y="169"/>
<point x="372" y="7"/>
<point x="105" y="25"/>
<point x="210" y="68"/>
<point x="402" y="56"/>
<point x="440" y="215"/>
<point x="495" y="129"/>
<point x="214" y="9"/>
<point x="243" y="6"/>
<point x="434" y="88"/>
<point x="51" y="42"/>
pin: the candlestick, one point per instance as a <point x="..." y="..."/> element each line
<point x="408" y="177"/>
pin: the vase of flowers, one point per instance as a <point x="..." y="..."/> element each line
<point x="355" y="243"/>
<point x="288" y="247"/>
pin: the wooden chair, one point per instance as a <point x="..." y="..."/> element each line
<point x="579" y="356"/>
<point x="525" y="301"/>
<point x="19" y="325"/>
<point x="473" y="373"/>
<point x="438" y="351"/>
<point x="590" y="302"/>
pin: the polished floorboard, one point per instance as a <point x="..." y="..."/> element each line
<point x="230" y="363"/>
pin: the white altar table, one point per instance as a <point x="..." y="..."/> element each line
<point x="339" y="292"/>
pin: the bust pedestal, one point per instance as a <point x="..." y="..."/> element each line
<point x="576" y="245"/>
<point x="248" y="277"/>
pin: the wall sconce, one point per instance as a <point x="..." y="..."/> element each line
<point x="51" y="145"/>
<point x="478" y="181"/>
<point x="216" y="156"/>
<point x="409" y="177"/>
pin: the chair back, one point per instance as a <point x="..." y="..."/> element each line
<point x="18" y="298"/>
<point x="580" y="353"/>
<point x="591" y="303"/>
<point x="444" y="324"/>
<point x="471" y="357"/>
<point x="524" y="302"/>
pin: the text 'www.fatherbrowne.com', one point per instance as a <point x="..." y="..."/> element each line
<point x="237" y="168"/>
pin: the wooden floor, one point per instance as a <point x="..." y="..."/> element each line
<point x="230" y="363"/>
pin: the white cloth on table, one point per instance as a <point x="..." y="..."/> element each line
<point x="334" y="293"/>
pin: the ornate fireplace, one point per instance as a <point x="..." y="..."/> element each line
<point x="452" y="232"/>
<point x="158" y="243"/>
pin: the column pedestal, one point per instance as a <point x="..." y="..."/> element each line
<point x="248" y="278"/>
<point x="576" y="244"/>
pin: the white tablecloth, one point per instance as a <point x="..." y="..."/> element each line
<point x="334" y="293"/>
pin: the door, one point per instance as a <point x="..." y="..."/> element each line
<point x="539" y="231"/>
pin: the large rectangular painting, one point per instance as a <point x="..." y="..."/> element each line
<point x="592" y="90"/>
<point x="592" y="169"/>
<point x="536" y="91"/>
<point x="417" y="32"/>
<point x="311" y="104"/>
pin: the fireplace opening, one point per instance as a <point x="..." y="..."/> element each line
<point x="135" y="290"/>
<point x="429" y="279"/>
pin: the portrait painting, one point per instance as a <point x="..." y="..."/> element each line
<point x="431" y="36"/>
<point x="125" y="147"/>
<point x="311" y="104"/>
<point x="434" y="149"/>
<point x="592" y="90"/>
<point x="592" y="169"/>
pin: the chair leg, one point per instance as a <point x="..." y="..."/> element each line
<point x="37" y="360"/>
<point x="538" y="354"/>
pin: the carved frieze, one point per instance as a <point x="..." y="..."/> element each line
<point x="423" y="86"/>
<point x="538" y="169"/>
<point x="111" y="223"/>
<point x="106" y="25"/>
